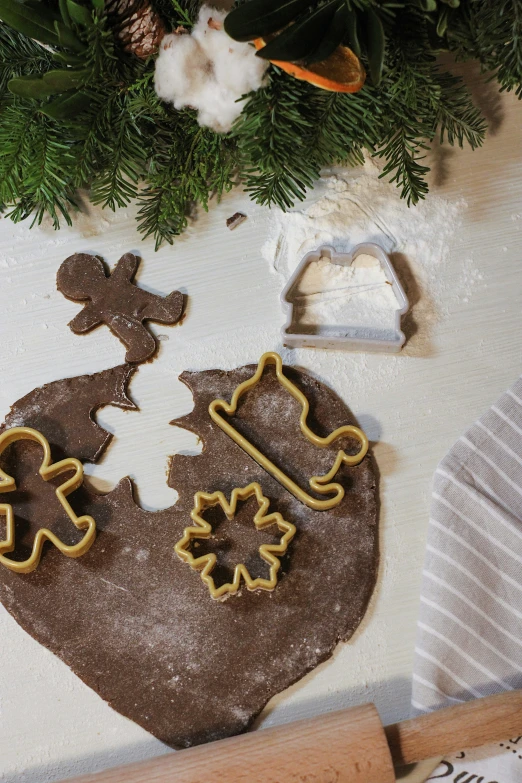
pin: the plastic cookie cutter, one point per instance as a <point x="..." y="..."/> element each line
<point x="320" y="484"/>
<point x="367" y="335"/>
<point x="268" y="552"/>
<point x="47" y="471"/>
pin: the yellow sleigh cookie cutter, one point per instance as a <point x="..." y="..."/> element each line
<point x="319" y="484"/>
<point x="268" y="552"/>
<point x="47" y="471"/>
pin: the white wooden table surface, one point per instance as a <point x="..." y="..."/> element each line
<point x="53" y="726"/>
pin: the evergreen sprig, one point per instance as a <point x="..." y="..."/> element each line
<point x="418" y="99"/>
<point x="20" y="56"/>
<point x="187" y="165"/>
<point x="490" y="31"/>
<point x="273" y="134"/>
<point x="290" y="129"/>
<point x="122" y="161"/>
<point x="88" y="116"/>
<point x="35" y="165"/>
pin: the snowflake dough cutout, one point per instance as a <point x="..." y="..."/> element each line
<point x="48" y="470"/>
<point x="203" y="530"/>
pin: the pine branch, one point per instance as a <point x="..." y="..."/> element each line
<point x="124" y="158"/>
<point x="44" y="160"/>
<point x="183" y="14"/>
<point x="289" y="130"/>
<point x="107" y="63"/>
<point x="119" y="133"/>
<point x="20" y="56"/>
<point x="418" y="99"/>
<point x="92" y="148"/>
<point x="180" y="176"/>
<point x="457" y="118"/>
<point x="273" y="134"/>
<point x="178" y="12"/>
<point x="345" y="126"/>
<point x="490" y="31"/>
<point x="509" y="73"/>
<point x="403" y="152"/>
<point x="15" y="129"/>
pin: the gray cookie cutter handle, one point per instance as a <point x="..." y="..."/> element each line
<point x="349" y="341"/>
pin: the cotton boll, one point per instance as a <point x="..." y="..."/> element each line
<point x="242" y="71"/>
<point x="178" y="69"/>
<point x="208" y="71"/>
<point x="210" y="36"/>
<point x="217" y="108"/>
<point x="236" y="67"/>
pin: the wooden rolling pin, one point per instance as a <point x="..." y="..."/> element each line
<point x="349" y="746"/>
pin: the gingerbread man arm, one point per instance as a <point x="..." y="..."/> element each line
<point x="137" y="339"/>
<point x="165" y="310"/>
<point x="86" y="319"/>
<point x="125" y="269"/>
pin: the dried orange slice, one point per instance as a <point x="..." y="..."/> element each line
<point x="342" y="71"/>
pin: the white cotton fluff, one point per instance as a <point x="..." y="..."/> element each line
<point x="208" y="71"/>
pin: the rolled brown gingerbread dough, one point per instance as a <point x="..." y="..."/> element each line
<point x="134" y="621"/>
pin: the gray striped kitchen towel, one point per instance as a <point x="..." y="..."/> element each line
<point x="469" y="641"/>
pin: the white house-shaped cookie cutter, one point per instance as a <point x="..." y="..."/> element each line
<point x="349" y="338"/>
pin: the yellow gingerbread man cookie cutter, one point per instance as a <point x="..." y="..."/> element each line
<point x="48" y="470"/>
<point x="270" y="553"/>
<point x="320" y="484"/>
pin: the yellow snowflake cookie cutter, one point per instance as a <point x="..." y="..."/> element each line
<point x="47" y="471"/>
<point x="268" y="552"/>
<point x="319" y="484"/>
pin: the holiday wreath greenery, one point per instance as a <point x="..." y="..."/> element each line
<point x="78" y="107"/>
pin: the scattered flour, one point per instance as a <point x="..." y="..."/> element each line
<point x="354" y="206"/>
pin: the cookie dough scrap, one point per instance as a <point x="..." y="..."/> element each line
<point x="115" y="300"/>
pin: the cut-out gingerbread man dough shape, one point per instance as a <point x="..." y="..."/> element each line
<point x="115" y="300"/>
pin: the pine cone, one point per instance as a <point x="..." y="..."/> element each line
<point x="137" y="25"/>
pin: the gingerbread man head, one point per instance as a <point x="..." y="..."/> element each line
<point x="81" y="276"/>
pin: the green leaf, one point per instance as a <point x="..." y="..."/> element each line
<point x="258" y="18"/>
<point x="33" y="23"/>
<point x="299" y="40"/>
<point x="79" y="13"/>
<point x="67" y="106"/>
<point x="375" y="45"/>
<point x="428" y="5"/>
<point x="62" y="4"/>
<point x="36" y="5"/>
<point x="67" y="38"/>
<point x="30" y="87"/>
<point x="333" y="36"/>
<point x="66" y="58"/>
<point x="442" y="23"/>
<point x="66" y="79"/>
<point x="50" y="83"/>
<point x="352" y="36"/>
